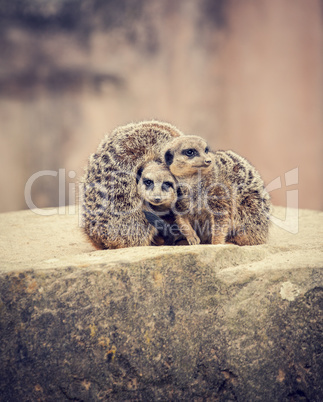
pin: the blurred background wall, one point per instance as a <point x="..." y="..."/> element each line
<point x="244" y="74"/>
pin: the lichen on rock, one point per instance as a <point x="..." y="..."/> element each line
<point x="159" y="323"/>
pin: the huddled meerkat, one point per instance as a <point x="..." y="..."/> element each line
<point x="222" y="196"/>
<point x="111" y="206"/>
<point x="158" y="190"/>
<point x="157" y="187"/>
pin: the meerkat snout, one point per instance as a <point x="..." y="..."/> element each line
<point x="185" y="156"/>
<point x="157" y="185"/>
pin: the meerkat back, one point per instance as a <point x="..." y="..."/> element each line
<point x="111" y="206"/>
<point x="250" y="202"/>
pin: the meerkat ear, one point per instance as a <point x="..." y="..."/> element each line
<point x="139" y="173"/>
<point x="169" y="157"/>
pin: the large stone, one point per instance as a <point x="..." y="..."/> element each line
<point x="193" y="323"/>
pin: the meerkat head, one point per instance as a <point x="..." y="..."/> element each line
<point x="157" y="185"/>
<point x="186" y="155"/>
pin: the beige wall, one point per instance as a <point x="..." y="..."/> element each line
<point x="246" y="76"/>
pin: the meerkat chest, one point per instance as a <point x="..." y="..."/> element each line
<point x="204" y="197"/>
<point x="192" y="196"/>
<point x="163" y="212"/>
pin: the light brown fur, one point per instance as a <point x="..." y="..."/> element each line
<point x="222" y="196"/>
<point x="158" y="190"/>
<point x="111" y="206"/>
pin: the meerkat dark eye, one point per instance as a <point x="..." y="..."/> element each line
<point x="148" y="183"/>
<point x="191" y="153"/>
<point x="207" y="150"/>
<point x="167" y="185"/>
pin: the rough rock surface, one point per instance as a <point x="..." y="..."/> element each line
<point x="187" y="323"/>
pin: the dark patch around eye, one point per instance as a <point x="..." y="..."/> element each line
<point x="207" y="150"/>
<point x="191" y="152"/>
<point x="166" y="185"/>
<point x="148" y="183"/>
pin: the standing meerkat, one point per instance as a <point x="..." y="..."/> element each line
<point x="111" y="206"/>
<point x="222" y="196"/>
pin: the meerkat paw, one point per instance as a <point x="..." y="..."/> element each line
<point x="193" y="239"/>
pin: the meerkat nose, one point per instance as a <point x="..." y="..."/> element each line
<point x="208" y="161"/>
<point x="157" y="199"/>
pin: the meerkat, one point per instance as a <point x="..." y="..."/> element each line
<point x="158" y="190"/>
<point x="112" y="214"/>
<point x="222" y="196"/>
<point x="157" y="187"/>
